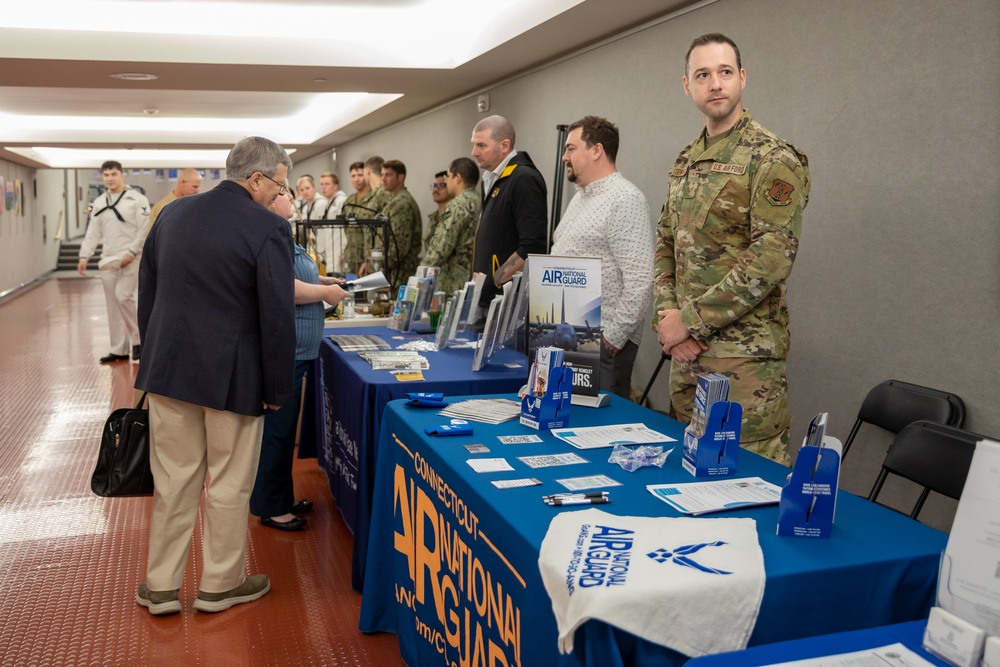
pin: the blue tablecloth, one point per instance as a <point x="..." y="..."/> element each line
<point x="343" y="408"/>
<point x="909" y="634"/>
<point x="458" y="568"/>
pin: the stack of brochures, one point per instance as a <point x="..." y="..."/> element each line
<point x="711" y="388"/>
<point x="414" y="299"/>
<point x="547" y="359"/>
<point x="397" y="360"/>
<point x="354" y="343"/>
<point x="487" y="410"/>
<point x="466" y="300"/>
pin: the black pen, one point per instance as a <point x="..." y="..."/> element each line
<point x="591" y="494"/>
<point x="559" y="502"/>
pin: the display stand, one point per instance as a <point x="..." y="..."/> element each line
<point x="379" y="228"/>
<point x="964" y="627"/>
<point x="809" y="499"/>
<point x="551" y="410"/>
<point x="598" y="401"/>
<point x="714" y="453"/>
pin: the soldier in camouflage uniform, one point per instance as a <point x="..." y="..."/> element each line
<point x="372" y="198"/>
<point x="449" y="239"/>
<point x="439" y="193"/>
<point x="403" y="253"/>
<point x="726" y="241"/>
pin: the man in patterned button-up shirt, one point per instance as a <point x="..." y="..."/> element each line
<point x="608" y="217"/>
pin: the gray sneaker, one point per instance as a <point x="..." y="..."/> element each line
<point x="253" y="588"/>
<point x="158" y="602"/>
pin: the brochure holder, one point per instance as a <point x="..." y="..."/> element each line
<point x="551" y="410"/>
<point x="809" y="499"/>
<point x="714" y="453"/>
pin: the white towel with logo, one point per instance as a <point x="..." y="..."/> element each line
<point x="692" y="585"/>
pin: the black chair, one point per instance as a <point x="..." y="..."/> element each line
<point x="894" y="404"/>
<point x="649" y="385"/>
<point x="935" y="456"/>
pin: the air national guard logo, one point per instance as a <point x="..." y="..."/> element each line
<point x="780" y="192"/>
<point x="682" y="556"/>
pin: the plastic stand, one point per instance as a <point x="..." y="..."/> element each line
<point x="714" y="453"/>
<point x="599" y="401"/>
<point x="551" y="410"/>
<point x="809" y="499"/>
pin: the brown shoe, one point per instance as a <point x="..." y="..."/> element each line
<point x="158" y="602"/>
<point x="253" y="588"/>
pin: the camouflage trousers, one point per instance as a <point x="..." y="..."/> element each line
<point x="760" y="386"/>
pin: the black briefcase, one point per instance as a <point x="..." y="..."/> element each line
<point x="123" y="461"/>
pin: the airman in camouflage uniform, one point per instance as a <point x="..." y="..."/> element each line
<point x="449" y="241"/>
<point x="726" y="240"/>
<point x="359" y="240"/>
<point x="404" y="237"/>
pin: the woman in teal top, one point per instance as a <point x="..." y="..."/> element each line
<point x="273" y="498"/>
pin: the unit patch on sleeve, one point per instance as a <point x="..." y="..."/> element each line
<point x="780" y="192"/>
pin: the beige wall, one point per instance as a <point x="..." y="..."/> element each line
<point x="895" y="104"/>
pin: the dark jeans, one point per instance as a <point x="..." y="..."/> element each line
<point x="616" y="372"/>
<point x="272" y="492"/>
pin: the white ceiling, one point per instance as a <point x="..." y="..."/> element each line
<point x="296" y="72"/>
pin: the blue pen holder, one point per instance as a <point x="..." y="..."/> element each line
<point x="551" y="410"/>
<point x="714" y="453"/>
<point x="809" y="499"/>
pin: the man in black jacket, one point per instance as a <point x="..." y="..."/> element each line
<point x="513" y="219"/>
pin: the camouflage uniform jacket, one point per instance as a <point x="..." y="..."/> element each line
<point x="727" y="238"/>
<point x="449" y="240"/>
<point x="404" y="239"/>
<point x="359" y="240"/>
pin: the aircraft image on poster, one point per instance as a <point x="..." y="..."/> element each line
<point x="562" y="334"/>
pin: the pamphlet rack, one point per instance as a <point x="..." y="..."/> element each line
<point x="714" y="454"/>
<point x="552" y="409"/>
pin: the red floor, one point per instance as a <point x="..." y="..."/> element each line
<point x="70" y="562"/>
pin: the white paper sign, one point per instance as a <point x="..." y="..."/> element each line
<point x="969" y="585"/>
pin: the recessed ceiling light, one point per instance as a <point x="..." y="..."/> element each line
<point x="134" y="76"/>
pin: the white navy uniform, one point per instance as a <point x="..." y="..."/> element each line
<point x="120" y="222"/>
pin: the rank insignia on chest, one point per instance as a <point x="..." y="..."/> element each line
<point x="780" y="192"/>
<point x="495" y="192"/>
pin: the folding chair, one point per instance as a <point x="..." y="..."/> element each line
<point x="894" y="404"/>
<point x="935" y="456"/>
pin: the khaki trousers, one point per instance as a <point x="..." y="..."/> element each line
<point x="188" y="442"/>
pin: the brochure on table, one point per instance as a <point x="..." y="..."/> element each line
<point x="968" y="608"/>
<point x="809" y="499"/>
<point x="894" y="655"/>
<point x="594" y="437"/>
<point x="564" y="310"/>
<point x="716" y="496"/>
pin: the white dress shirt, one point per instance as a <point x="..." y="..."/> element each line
<point x="610" y="219"/>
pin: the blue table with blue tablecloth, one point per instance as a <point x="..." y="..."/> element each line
<point x="909" y="635"/>
<point x="342" y="412"/>
<point x="457" y="558"/>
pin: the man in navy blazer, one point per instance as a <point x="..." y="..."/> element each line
<point x="217" y="321"/>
